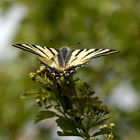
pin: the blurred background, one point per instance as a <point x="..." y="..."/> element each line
<point x="113" y="24"/>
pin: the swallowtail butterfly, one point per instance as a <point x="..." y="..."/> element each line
<point x="64" y="61"/>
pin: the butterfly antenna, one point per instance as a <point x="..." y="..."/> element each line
<point x="51" y="41"/>
<point x="79" y="43"/>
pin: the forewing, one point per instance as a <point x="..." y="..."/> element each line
<point x="41" y="51"/>
<point x="82" y="56"/>
<point x="47" y="56"/>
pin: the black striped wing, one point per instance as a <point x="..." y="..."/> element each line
<point x="41" y="51"/>
<point x="82" y="56"/>
<point x="71" y="59"/>
<point x="47" y="56"/>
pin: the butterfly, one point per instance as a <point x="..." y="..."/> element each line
<point x="64" y="61"/>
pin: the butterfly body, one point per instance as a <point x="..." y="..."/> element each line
<point x="63" y="61"/>
<point x="63" y="56"/>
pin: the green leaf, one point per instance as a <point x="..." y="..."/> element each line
<point x="43" y="114"/>
<point x="100" y="122"/>
<point x="67" y="125"/>
<point x="102" y="132"/>
<point x="66" y="133"/>
<point x="30" y="93"/>
<point x="99" y="133"/>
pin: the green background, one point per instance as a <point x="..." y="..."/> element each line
<point x="113" y="24"/>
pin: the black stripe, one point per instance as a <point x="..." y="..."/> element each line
<point x="39" y="49"/>
<point x="79" y="52"/>
<point x="73" y="60"/>
<point x="100" y="53"/>
<point x="54" y="61"/>
<point x="90" y="52"/>
<point x="25" y="48"/>
<point x="51" y="51"/>
<point x="113" y="51"/>
<point x="106" y="53"/>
